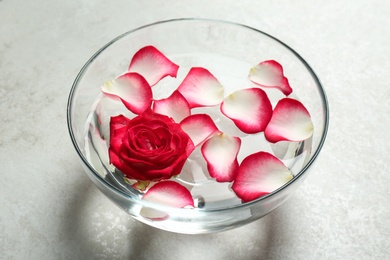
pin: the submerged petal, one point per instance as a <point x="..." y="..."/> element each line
<point x="220" y="153"/>
<point x="166" y="193"/>
<point x="152" y="64"/>
<point x="249" y="109"/>
<point x="201" y="88"/>
<point x="269" y="74"/>
<point x="132" y="89"/>
<point x="260" y="174"/>
<point x="175" y="106"/>
<point x="199" y="127"/>
<point x="290" y="121"/>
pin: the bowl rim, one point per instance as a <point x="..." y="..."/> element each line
<point x="325" y="107"/>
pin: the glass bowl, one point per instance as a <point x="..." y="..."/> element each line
<point x="227" y="49"/>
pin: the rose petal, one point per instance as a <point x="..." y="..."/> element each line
<point x="270" y="74"/>
<point x="220" y="153"/>
<point x="132" y="89"/>
<point x="175" y="106"/>
<point x="199" y="127"/>
<point x="167" y="193"/>
<point x="99" y="144"/>
<point x="201" y="88"/>
<point x="152" y="65"/>
<point x="249" y="109"/>
<point x="260" y="174"/>
<point x="290" y="121"/>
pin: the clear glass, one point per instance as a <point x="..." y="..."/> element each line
<point x="225" y="49"/>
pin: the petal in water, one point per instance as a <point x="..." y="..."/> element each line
<point x="201" y="88"/>
<point x="270" y="74"/>
<point x="199" y="127"/>
<point x="260" y="174"/>
<point x="166" y="193"/>
<point x="220" y="153"/>
<point x="290" y="121"/>
<point x="249" y="109"/>
<point x="152" y="64"/>
<point x="133" y="91"/>
<point x="175" y="106"/>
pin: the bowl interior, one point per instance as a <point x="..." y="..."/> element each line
<point x="228" y="50"/>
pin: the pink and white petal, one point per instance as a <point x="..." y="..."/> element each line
<point x="166" y="193"/>
<point x="199" y="127"/>
<point x="260" y="174"/>
<point x="106" y="108"/>
<point x="220" y="153"/>
<point x="175" y="106"/>
<point x="100" y="145"/>
<point x="152" y="64"/>
<point x="290" y="121"/>
<point x="269" y="74"/>
<point x="249" y="109"/>
<point x="201" y="88"/>
<point x="133" y="90"/>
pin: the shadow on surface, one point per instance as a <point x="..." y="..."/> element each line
<point x="95" y="228"/>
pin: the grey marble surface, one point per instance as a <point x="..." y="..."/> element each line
<point x="50" y="210"/>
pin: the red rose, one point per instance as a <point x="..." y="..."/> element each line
<point x="150" y="146"/>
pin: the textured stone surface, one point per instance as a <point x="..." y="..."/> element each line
<point x="50" y="210"/>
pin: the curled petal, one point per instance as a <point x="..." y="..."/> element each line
<point x="152" y="65"/>
<point x="220" y="153"/>
<point x="249" y="109"/>
<point x="270" y="74"/>
<point x="260" y="174"/>
<point x="290" y="121"/>
<point x="199" y="127"/>
<point x="132" y="89"/>
<point x="175" y="106"/>
<point x="201" y="88"/>
<point x="166" y="193"/>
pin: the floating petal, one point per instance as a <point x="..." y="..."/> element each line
<point x="220" y="153"/>
<point x="175" y="106"/>
<point x="260" y="174"/>
<point x="166" y="193"/>
<point x="152" y="65"/>
<point x="132" y="89"/>
<point x="249" y="109"/>
<point x="199" y="127"/>
<point x="201" y="88"/>
<point x="290" y="121"/>
<point x="270" y="74"/>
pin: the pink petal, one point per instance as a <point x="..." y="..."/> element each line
<point x="250" y="109"/>
<point x="260" y="174"/>
<point x="199" y="127"/>
<point x="175" y="106"/>
<point x="201" y="88"/>
<point x="166" y="193"/>
<point x="290" y="122"/>
<point x="270" y="74"/>
<point x="133" y="91"/>
<point x="220" y="153"/>
<point x="152" y="65"/>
